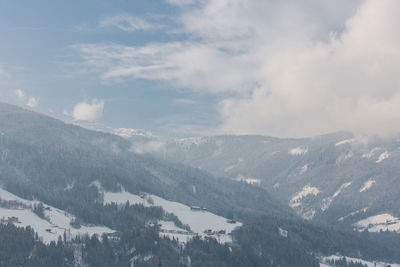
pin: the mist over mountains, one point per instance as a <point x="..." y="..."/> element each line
<point x="338" y="177"/>
<point x="64" y="180"/>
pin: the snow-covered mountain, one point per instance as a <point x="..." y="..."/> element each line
<point x="95" y="182"/>
<point x="337" y="177"/>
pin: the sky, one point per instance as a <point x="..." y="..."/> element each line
<point x="283" y="68"/>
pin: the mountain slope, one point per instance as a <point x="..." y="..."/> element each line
<point x="40" y="157"/>
<point x="337" y="177"/>
<point x="63" y="166"/>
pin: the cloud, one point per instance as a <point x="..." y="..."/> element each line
<point x="284" y="68"/>
<point x="345" y="83"/>
<point x="24" y="98"/>
<point x="88" y="111"/>
<point x="180" y="2"/>
<point x="127" y="23"/>
<point x="148" y="147"/>
<point x="19" y="93"/>
<point x="32" y="102"/>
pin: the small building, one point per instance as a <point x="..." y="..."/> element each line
<point x="115" y="235"/>
<point x="152" y="223"/>
<point x="208" y="232"/>
<point x="13" y="219"/>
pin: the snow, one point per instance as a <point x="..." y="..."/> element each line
<point x="383" y="156"/>
<point x="122" y="197"/>
<point x="379" y="222"/>
<point x="5" y="195"/>
<point x="182" y="238"/>
<point x="367" y="185"/>
<point x="128" y="132"/>
<point x="283" y="232"/>
<point x="227" y="169"/>
<point x="248" y="180"/>
<point x="344" y="157"/>
<point x="188" y="142"/>
<point x="96" y="184"/>
<point x="303" y="169"/>
<point x="364" y="210"/>
<point x="343" y="142"/>
<point x="308" y="215"/>
<point x="55" y="223"/>
<point x="153" y="146"/>
<point x="198" y="221"/>
<point x="230" y="167"/>
<point x="69" y="187"/>
<point x="295" y="201"/>
<point x="371" y="153"/>
<point x="298" y="151"/>
<point x="324" y="261"/>
<point x="326" y="202"/>
<point x="252" y="181"/>
<point x="28" y="218"/>
<point x="170" y="230"/>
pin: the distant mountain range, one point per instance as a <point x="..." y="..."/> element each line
<point x="138" y="188"/>
<point x="339" y="178"/>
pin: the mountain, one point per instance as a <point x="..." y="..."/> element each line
<point x="42" y="156"/>
<point x="337" y="177"/>
<point x="115" y="206"/>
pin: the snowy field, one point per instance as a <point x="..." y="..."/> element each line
<point x="324" y="261"/>
<point x="198" y="221"/>
<point x="55" y="223"/>
<point x="379" y="222"/>
<point x="298" y="151"/>
<point x="295" y="201"/>
<point x="326" y="202"/>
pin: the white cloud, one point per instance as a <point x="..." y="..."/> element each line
<point x="19" y="93"/>
<point x="88" y="111"/>
<point x="24" y="98"/>
<point x="32" y="102"/>
<point x="127" y="23"/>
<point x="148" y="147"/>
<point x="292" y="68"/>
